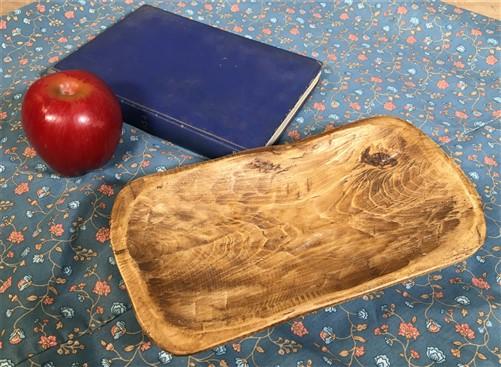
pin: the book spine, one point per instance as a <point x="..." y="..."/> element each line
<point x="179" y="134"/>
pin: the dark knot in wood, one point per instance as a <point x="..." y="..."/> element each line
<point x="266" y="166"/>
<point x="379" y="159"/>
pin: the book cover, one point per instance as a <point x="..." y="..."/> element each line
<point x="208" y="90"/>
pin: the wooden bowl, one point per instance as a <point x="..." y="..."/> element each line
<point x="220" y="249"/>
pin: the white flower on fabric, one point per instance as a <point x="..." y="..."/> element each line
<point x="220" y="350"/>
<point x="241" y="362"/>
<point x="363" y="314"/>
<point x="67" y="312"/>
<point x="382" y="360"/>
<point x="74" y="204"/>
<point x="6" y="363"/>
<point x="409" y="284"/>
<point x="38" y="259"/>
<point x="164" y="357"/>
<point x="118" y="308"/>
<point x="462" y="300"/>
<point x="435" y="354"/>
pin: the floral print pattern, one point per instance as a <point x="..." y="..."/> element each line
<point x="62" y="300"/>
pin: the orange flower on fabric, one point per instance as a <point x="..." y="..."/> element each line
<point x="144" y="346"/>
<point x="355" y="106"/>
<point x="491" y="60"/>
<point x="29" y="152"/>
<point x="465" y="330"/>
<point x="490" y="161"/>
<point x="294" y="134"/>
<point x="408" y="330"/>
<point x="480" y="283"/>
<point x="5" y="285"/>
<point x="47" y="342"/>
<point x="442" y="84"/>
<point x="332" y="57"/>
<point x="57" y="230"/>
<point x="103" y="234"/>
<point x="411" y="40"/>
<point x="106" y="190"/>
<point x="298" y="328"/>
<point x="16" y="237"/>
<point x="401" y="10"/>
<point x="359" y="351"/>
<point x="389" y="106"/>
<point x="21" y="188"/>
<point x="47" y="300"/>
<point x="319" y="106"/>
<point x="101" y="288"/>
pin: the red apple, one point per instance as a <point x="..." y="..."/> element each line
<point x="73" y="120"/>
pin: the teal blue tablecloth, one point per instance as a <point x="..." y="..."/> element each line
<point x="62" y="300"/>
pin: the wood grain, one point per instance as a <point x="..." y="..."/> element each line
<point x="220" y="249"/>
<point x="7" y="6"/>
<point x="489" y="8"/>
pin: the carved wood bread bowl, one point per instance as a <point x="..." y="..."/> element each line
<point x="220" y="249"/>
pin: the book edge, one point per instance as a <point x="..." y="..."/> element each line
<point x="294" y="109"/>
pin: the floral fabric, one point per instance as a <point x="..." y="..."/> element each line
<point x="62" y="300"/>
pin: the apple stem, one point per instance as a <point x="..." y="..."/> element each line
<point x="67" y="89"/>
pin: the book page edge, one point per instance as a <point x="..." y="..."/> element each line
<point x="294" y="110"/>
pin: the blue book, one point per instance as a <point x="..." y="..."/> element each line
<point x="208" y="90"/>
